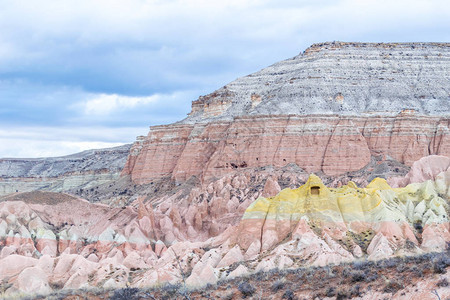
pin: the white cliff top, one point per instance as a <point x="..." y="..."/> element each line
<point x="339" y="78"/>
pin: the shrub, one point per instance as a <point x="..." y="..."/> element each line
<point x="401" y="268"/>
<point x="169" y="290"/>
<point x="289" y="295"/>
<point x="440" y="264"/>
<point x="346" y="272"/>
<point x="342" y="294"/>
<point x="355" y="291"/>
<point x="124" y="294"/>
<point x="371" y="277"/>
<point x="442" y="283"/>
<point x="278" y="285"/>
<point x="357" y="276"/>
<point x="330" y="292"/>
<point x="246" y="289"/>
<point x="392" y="286"/>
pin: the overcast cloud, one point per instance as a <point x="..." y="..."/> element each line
<point x="81" y="74"/>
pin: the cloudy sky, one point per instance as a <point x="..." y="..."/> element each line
<point x="84" y="74"/>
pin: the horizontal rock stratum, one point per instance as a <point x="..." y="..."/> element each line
<point x="339" y="78"/>
<point x="328" y="143"/>
<point x="327" y="110"/>
<point x="84" y="170"/>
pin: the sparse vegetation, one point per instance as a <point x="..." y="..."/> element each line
<point x="343" y="281"/>
<point x="246" y="289"/>
<point x="442" y="283"/>
<point x="289" y="295"/>
<point x="125" y="294"/>
<point x="278" y="285"/>
<point x="392" y="286"/>
<point x="440" y="264"/>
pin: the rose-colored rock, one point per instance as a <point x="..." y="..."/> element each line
<point x="14" y="264"/>
<point x="426" y="168"/>
<point x="332" y="144"/>
<point x="234" y="255"/>
<point x="271" y="188"/>
<point x="103" y="246"/>
<point x="241" y="270"/>
<point x="33" y="280"/>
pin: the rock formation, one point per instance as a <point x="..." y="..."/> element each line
<point x="85" y="170"/>
<point x="339" y="78"/>
<point x="68" y="242"/>
<point x="229" y="191"/>
<point x="328" y="110"/>
<point x="333" y="145"/>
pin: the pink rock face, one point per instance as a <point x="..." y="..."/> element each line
<point x="332" y="144"/>
<point x="426" y="168"/>
<point x="33" y="280"/>
<point x="271" y="188"/>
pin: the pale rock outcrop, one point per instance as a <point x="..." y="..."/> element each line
<point x="233" y="255"/>
<point x="241" y="270"/>
<point x="312" y="225"/>
<point x="77" y="173"/>
<point x="426" y="168"/>
<point x="33" y="280"/>
<point x="14" y="264"/>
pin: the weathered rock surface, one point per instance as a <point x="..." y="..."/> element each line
<point x="84" y="170"/>
<point x="333" y="145"/>
<point x="326" y="110"/>
<point x="71" y="243"/>
<point x="427" y="168"/>
<point x="339" y="78"/>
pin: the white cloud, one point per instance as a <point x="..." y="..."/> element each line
<point x="34" y="148"/>
<point x="105" y="104"/>
<point x="32" y="142"/>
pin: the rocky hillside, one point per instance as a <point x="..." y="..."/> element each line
<point x="339" y="78"/>
<point x="331" y="109"/>
<point x="83" y="170"/>
<point x="52" y="241"/>
<point x="333" y="145"/>
<point x="229" y="191"/>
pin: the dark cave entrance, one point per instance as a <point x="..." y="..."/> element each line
<point x="315" y="190"/>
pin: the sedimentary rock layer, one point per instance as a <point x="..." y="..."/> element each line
<point x="83" y="170"/>
<point x="340" y="78"/>
<point x="332" y="144"/>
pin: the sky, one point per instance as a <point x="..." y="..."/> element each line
<point x="77" y="75"/>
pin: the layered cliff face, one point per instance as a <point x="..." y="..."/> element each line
<point x="333" y="145"/>
<point x="326" y="110"/>
<point x="85" y="170"/>
<point x="339" y="78"/>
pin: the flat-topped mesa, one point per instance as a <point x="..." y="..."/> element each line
<point x="339" y="78"/>
<point x="328" y="110"/>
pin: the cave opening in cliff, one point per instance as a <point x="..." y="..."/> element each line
<point x="315" y="190"/>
